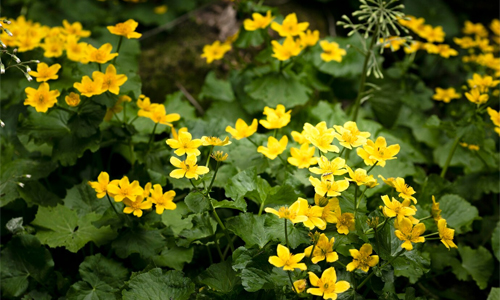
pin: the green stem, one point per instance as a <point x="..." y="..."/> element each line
<point x="369" y="170"/>
<point x="361" y="90"/>
<point x="213" y="178"/>
<point x="152" y="135"/>
<point x="113" y="206"/>
<point x="195" y="188"/>
<point x="99" y="66"/>
<point x="371" y="274"/>
<point x="125" y="112"/>
<point x="361" y="197"/>
<point x="450" y="156"/>
<point x="132" y="121"/>
<point x="218" y="248"/>
<point x="252" y="142"/>
<point x="428" y="217"/>
<point x="118" y="48"/>
<point x="430" y="234"/>
<point x="312" y="251"/>
<point x="261" y="208"/>
<point x="209" y="255"/>
<point x="286" y="233"/>
<point x="356" y="188"/>
<point x="208" y="158"/>
<point x="216" y="216"/>
<point x="341" y="152"/>
<point x="291" y="281"/>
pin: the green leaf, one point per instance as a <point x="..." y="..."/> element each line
<point x="12" y="171"/>
<point x="216" y="89"/>
<point x="297" y="234"/>
<point x="478" y="262"/>
<point x="495" y="241"/>
<point x="174" y="220"/>
<point x="82" y="198"/>
<point x="60" y="227"/>
<point x="239" y="204"/>
<point x="155" y="285"/>
<point x="279" y="88"/>
<point x="45" y="127"/>
<point x="146" y="243"/>
<point x="23" y="257"/>
<point x="254" y="279"/>
<point x="176" y="103"/>
<point x="83" y="290"/>
<point x="494" y="294"/>
<point x="34" y="193"/>
<point x="86" y="121"/>
<point x="251" y="228"/>
<point x="99" y="268"/>
<point x="203" y="227"/>
<point x="249" y="38"/>
<point x="458" y="213"/>
<point x="174" y="257"/>
<point x="69" y="148"/>
<point x="197" y="202"/>
<point x="220" y="277"/>
<point x="412" y="264"/>
<point x="386" y="103"/>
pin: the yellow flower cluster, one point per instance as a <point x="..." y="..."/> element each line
<point x="136" y="198"/>
<point x="425" y="31"/>
<point x="155" y="112"/>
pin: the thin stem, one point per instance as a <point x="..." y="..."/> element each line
<point x="369" y="170"/>
<point x="213" y="178"/>
<point x="312" y="251"/>
<point x="450" y="156"/>
<point x="356" y="188"/>
<point x="286" y="234"/>
<point x="291" y="281"/>
<point x="428" y="217"/>
<point x="252" y="142"/>
<point x="152" y="135"/>
<point x="261" y="208"/>
<point x="371" y="274"/>
<point x="210" y="255"/>
<point x="216" y="216"/>
<point x="113" y="206"/>
<point x="132" y="121"/>
<point x="118" y="48"/>
<point x="361" y="197"/>
<point x="361" y="90"/>
<point x="430" y="234"/>
<point x="208" y="158"/>
<point x="341" y="152"/>
<point x="195" y="188"/>
<point x="99" y="66"/>
<point x="378" y="242"/>
<point x="218" y="248"/>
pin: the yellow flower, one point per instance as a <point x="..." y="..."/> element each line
<point x="430" y="48"/>
<point x="136" y="206"/>
<point x="162" y="200"/>
<point x="445" y="51"/>
<point x="483" y="83"/>
<point x="147" y="190"/>
<point x="476" y="29"/>
<point x="53" y="48"/>
<point x="73" y="99"/>
<point x="484" y="45"/>
<point x="242" y="130"/>
<point x="327" y="286"/>
<point x="445" y="95"/>
<point x="331" y="51"/>
<point x="326" y="167"/>
<point x="412" y="22"/>
<point x="214" y="141"/>
<point x="446" y="234"/>
<point x="101" y="55"/>
<point x="465" y="42"/>
<point x="160" y="9"/>
<point x="286" y="260"/>
<point x="413" y="46"/>
<point x="276" y="118"/>
<point x="75" y="29"/>
<point x="41" y="99"/>
<point x="76" y="51"/>
<point x="116" y="108"/>
<point x="494" y="116"/>
<point x="405" y="191"/>
<point x="145" y="105"/>
<point x="393" y="42"/>
<point x="290" y="26"/>
<point x="360" y="177"/>
<point x="475" y="96"/>
<point x="215" y="51"/>
<point x="259" y="21"/>
<point x="187" y="168"/>
<point x="88" y="87"/>
<point x="328" y="186"/>
<point x="274" y="147"/>
<point x="294" y="213"/>
<point x="123" y="189"/>
<point x="396" y="208"/>
<point x="435" y="211"/>
<point x="44" y="72"/>
<point x="345" y="222"/>
<point x="331" y="210"/>
<point x="159" y="115"/>
<point x="185" y="144"/>
<point x="320" y="136"/>
<point x="362" y="259"/>
<point x="409" y="233"/>
<point x="219" y="156"/>
<point x="308" y="38"/>
<point x="299" y="137"/>
<point x="126" y="29"/>
<point x="432" y="34"/>
<point x="495" y="26"/>
<point x="101" y="185"/>
<point x="389" y="181"/>
<point x="300" y="285"/>
<point x="110" y="80"/>
<point x="290" y="48"/>
<point x="377" y="152"/>
<point x="323" y="250"/>
<point x="349" y="135"/>
<point x="313" y="214"/>
<point x="303" y="157"/>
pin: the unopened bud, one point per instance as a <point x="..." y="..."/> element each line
<point x="373" y="222"/>
<point x="28" y="69"/>
<point x="314" y="237"/>
<point x="7" y="22"/>
<point x="321" y="201"/>
<point x="20" y="184"/>
<point x="28" y="76"/>
<point x="2" y="123"/>
<point x="27" y="175"/>
<point x="16" y="58"/>
<point x="15" y="50"/>
<point x="8" y="32"/>
<point x="2" y="69"/>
